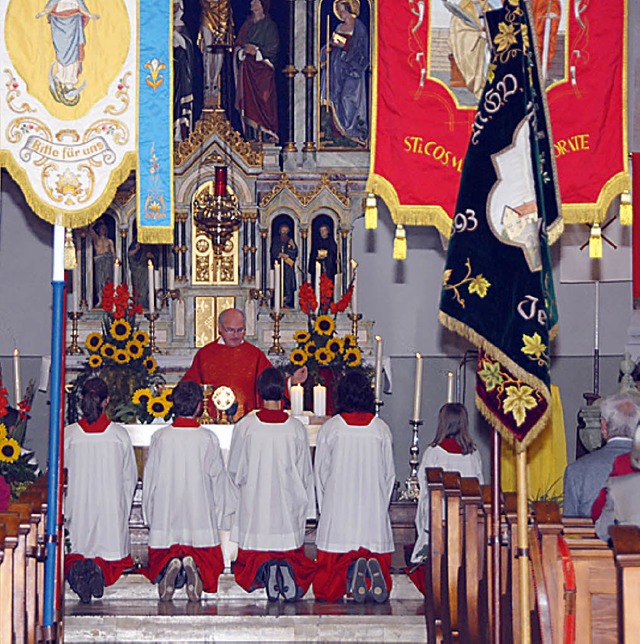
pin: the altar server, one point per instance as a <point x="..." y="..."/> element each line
<point x="270" y="463"/>
<point x="187" y="497"/>
<point x="355" y="475"/>
<point x="102" y="477"/>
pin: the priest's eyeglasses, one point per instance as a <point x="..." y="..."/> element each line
<point x="229" y="329"/>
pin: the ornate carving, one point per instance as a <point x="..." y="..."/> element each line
<point x="304" y="198"/>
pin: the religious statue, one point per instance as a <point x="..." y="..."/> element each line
<point x="104" y="255"/>
<point x="139" y="256"/>
<point x="324" y="252"/>
<point x="182" y="75"/>
<point x="255" y="58"/>
<point x="285" y="251"/>
<point x="216" y="35"/>
<point x="344" y="61"/>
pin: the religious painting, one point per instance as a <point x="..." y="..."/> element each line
<point x="344" y="62"/>
<point x="284" y="250"/>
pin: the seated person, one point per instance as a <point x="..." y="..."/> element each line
<point x="355" y="475"/>
<point x="453" y="450"/>
<point x="186" y="496"/>
<point x="270" y="463"/>
<point x="622" y="506"/>
<point x="102" y="477"/>
<point x="584" y="478"/>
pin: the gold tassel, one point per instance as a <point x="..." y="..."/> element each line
<point x="70" y="261"/>
<point x="595" y="242"/>
<point x="400" y="243"/>
<point x="371" y="212"/>
<point x="626" y="209"/>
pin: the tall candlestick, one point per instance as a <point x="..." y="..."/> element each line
<point x="16" y="376"/>
<point x="378" y="388"/>
<point x="116" y="272"/>
<point x="596" y="340"/>
<point x="297" y="400"/>
<point x="319" y="400"/>
<point x="152" y="289"/>
<point x="451" y="390"/>
<point x="75" y="284"/>
<point x="354" y="295"/>
<point x="417" y="392"/>
<point x="276" y="297"/>
<point x="317" y="284"/>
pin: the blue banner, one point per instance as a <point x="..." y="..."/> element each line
<point x="155" y="123"/>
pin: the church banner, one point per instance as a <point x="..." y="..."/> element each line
<point x="155" y="123"/>
<point x="68" y="103"/>
<point x="498" y="287"/>
<point x="428" y="72"/>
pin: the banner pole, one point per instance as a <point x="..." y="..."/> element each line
<point x="496" y="583"/>
<point x="523" y="545"/>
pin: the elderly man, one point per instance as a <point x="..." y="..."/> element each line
<point x="583" y="479"/>
<point x="232" y="362"/>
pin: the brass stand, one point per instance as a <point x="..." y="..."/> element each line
<point x="205" y="417"/>
<point x="152" y="317"/>
<point x="275" y="347"/>
<point x="412" y="493"/>
<point x="355" y="318"/>
<point x="74" y="316"/>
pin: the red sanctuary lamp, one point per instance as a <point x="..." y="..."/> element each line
<point x="221" y="181"/>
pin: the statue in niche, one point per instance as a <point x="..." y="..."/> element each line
<point x="139" y="256"/>
<point x="104" y="256"/>
<point x="183" y="64"/>
<point x="344" y="97"/>
<point x="324" y="250"/>
<point x="285" y="250"/>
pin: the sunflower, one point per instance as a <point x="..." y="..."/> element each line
<point x="324" y="325"/>
<point x="349" y="340"/>
<point x="298" y="357"/>
<point x="324" y="356"/>
<point x="9" y="450"/>
<point x="141" y="337"/>
<point x="141" y="396"/>
<point x="135" y="349"/>
<point x="120" y="329"/>
<point x="122" y="356"/>
<point x="150" y="364"/>
<point x="108" y="350"/>
<point x="94" y="341"/>
<point x="158" y="407"/>
<point x="352" y="357"/>
<point x="3" y="431"/>
<point x="95" y="361"/>
<point x="302" y="337"/>
<point x="335" y="345"/>
<point x="167" y="394"/>
<point x="310" y="348"/>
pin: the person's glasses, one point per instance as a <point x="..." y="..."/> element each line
<point x="228" y="329"/>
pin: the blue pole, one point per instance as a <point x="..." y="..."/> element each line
<point x="57" y="325"/>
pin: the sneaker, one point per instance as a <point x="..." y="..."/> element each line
<point x="378" y="591"/>
<point x="194" y="583"/>
<point x="359" y="583"/>
<point x="167" y="583"/>
<point x="273" y="582"/>
<point x="287" y="582"/>
<point x="95" y="578"/>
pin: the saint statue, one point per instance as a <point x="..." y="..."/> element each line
<point x="285" y="251"/>
<point x="104" y="256"/>
<point x="324" y="252"/>
<point x="182" y="75"/>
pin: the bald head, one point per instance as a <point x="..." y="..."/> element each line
<point x="231" y="326"/>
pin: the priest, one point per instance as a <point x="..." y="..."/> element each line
<point x="234" y="363"/>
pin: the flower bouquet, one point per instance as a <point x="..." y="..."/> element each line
<point x="121" y="355"/>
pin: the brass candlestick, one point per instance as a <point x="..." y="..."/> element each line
<point x="355" y="318"/>
<point x="275" y="347"/>
<point x="412" y="493"/>
<point x="74" y="316"/>
<point x="152" y="317"/>
<point x="205" y="417"/>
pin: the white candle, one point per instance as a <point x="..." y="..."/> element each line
<point x="152" y="289"/>
<point x="319" y="400"/>
<point x="276" y="297"/>
<point x="378" y="388"/>
<point x="417" y="392"/>
<point x="354" y="295"/>
<point x="258" y="284"/>
<point x="317" y="284"/>
<point x="451" y="389"/>
<point x="171" y="278"/>
<point x="116" y="273"/>
<point x="596" y="342"/>
<point x="297" y="400"/>
<point x="75" y="283"/>
<point x="16" y="376"/>
<point x="272" y="279"/>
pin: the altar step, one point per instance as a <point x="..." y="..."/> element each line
<point x="131" y="612"/>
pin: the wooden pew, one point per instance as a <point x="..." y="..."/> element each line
<point x="626" y="548"/>
<point x="10" y="523"/>
<point x="23" y="510"/>
<point x="454" y="546"/>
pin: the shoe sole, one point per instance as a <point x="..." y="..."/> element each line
<point x="96" y="579"/>
<point x="287" y="582"/>
<point x="166" y="586"/>
<point x="273" y="582"/>
<point x="194" y="583"/>
<point x="378" y="591"/>
<point x="359" y="583"/>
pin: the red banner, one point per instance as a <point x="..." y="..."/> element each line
<point x="428" y="72"/>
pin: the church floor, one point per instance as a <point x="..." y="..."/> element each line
<point x="131" y="612"/>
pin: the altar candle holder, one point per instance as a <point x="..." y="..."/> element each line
<point x="73" y="348"/>
<point x="377" y="405"/>
<point x="262" y="297"/>
<point x="205" y="417"/>
<point x="355" y="318"/>
<point x="152" y="317"/>
<point x="412" y="492"/>
<point x="275" y="347"/>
